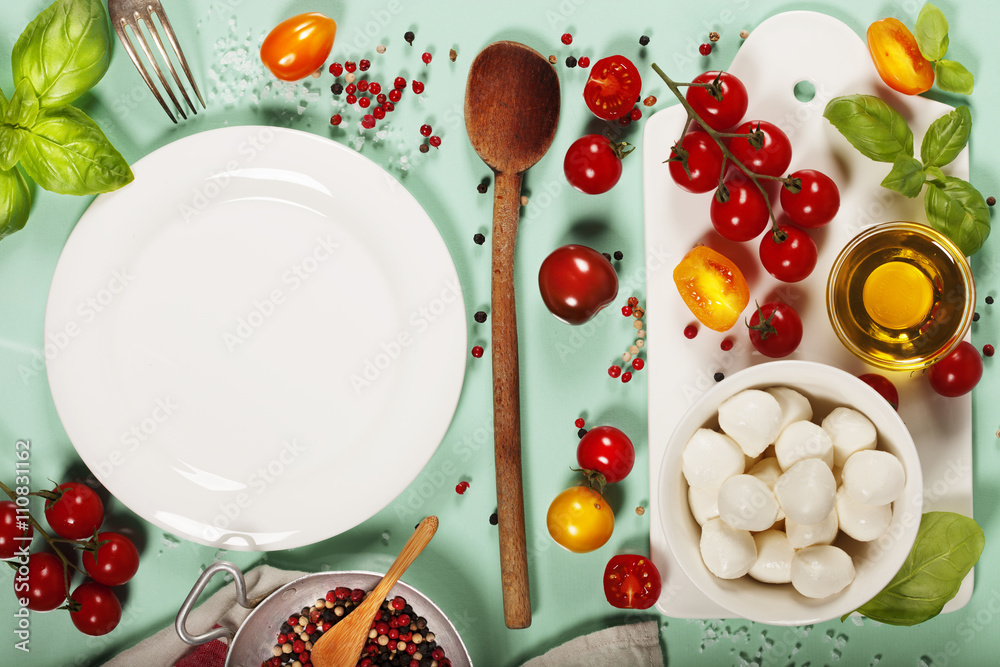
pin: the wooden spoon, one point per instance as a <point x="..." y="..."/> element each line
<point x="511" y="113"/>
<point x="342" y="644"/>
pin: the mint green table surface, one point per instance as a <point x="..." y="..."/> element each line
<point x="563" y="372"/>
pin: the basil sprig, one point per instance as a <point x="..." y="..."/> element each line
<point x="60" y="55"/>
<point x="931" y="32"/>
<point x="948" y="545"/>
<point x="879" y="132"/>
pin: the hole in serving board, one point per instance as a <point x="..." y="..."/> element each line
<point x="804" y="91"/>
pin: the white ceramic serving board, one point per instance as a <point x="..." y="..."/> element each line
<point x="783" y="51"/>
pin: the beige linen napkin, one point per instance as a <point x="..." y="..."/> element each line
<point x="630" y="645"/>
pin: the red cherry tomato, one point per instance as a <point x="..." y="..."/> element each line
<point x="704" y="163"/>
<point x="817" y="201"/>
<point x="613" y="87"/>
<point x="720" y="115"/>
<point x="771" y="159"/>
<point x="775" y="330"/>
<point x="45" y="585"/>
<point x="576" y="282"/>
<point x="10" y="533"/>
<point x="77" y="513"/>
<point x="883" y="386"/>
<point x="115" y="563"/>
<point x="606" y="451"/>
<point x="743" y="216"/>
<point x="958" y="372"/>
<point x="298" y="46"/>
<point x="631" y="582"/>
<point x="897" y="57"/>
<point x="97" y="609"/>
<point x="791" y="259"/>
<point x="593" y="164"/>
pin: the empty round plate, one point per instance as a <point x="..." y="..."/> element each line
<point x="258" y="343"/>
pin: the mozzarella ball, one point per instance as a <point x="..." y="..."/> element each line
<point x="710" y="458"/>
<point x="821" y="571"/>
<point x="774" y="558"/>
<point x="728" y="553"/>
<point x="802" y="535"/>
<point x="806" y="491"/>
<point x="752" y="418"/>
<point x="704" y="503"/>
<point x="794" y="406"/>
<point x="862" y="522"/>
<point x="800" y="441"/>
<point x="747" y="503"/>
<point x="873" y="477"/>
<point x="768" y="471"/>
<point x="850" y="432"/>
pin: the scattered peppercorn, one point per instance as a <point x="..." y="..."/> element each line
<point x="713" y="36"/>
<point x="570" y="61"/>
<point x="744" y="34"/>
<point x="607" y="256"/>
<point x="627" y="311"/>
<point x="567" y="39"/>
<point x="726" y="345"/>
<point x="618" y="255"/>
<point x="426" y="57"/>
<point x="615" y="371"/>
<point x="460" y="489"/>
<point x="553" y="60"/>
<point x="434" y="141"/>
<point x="337" y="89"/>
<point x="582" y="432"/>
<point x="579" y="422"/>
<point x="479" y="239"/>
<point x="638" y="312"/>
<point x="494" y="520"/>
<point x="990" y="201"/>
<point x="482" y="188"/>
<point x="350" y="66"/>
<point x="336" y="69"/>
<point x="336" y="119"/>
<point x="633" y="301"/>
<point x="690" y="331"/>
<point x="649" y="101"/>
<point x="368" y="122"/>
<point x="524" y="200"/>
<point x="637" y="364"/>
<point x="424" y="148"/>
<point x="418" y="87"/>
<point x="363" y="65"/>
<point x="408" y="36"/>
<point x="644" y="40"/>
<point x="477" y="351"/>
<point x="975" y="317"/>
<point x="705" y="49"/>
<point x="584" y="61"/>
<point x="452" y="55"/>
<point x="349" y="77"/>
<point x="719" y="377"/>
<point x="989" y="301"/>
<point x="640" y="510"/>
<point x="626" y="376"/>
<point x="380" y="48"/>
<point x="988" y="350"/>
<point x="480" y="316"/>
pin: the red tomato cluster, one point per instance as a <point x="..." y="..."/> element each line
<point x="109" y="558"/>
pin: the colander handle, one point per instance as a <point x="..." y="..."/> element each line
<point x="192" y="598"/>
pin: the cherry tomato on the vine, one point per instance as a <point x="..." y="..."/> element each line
<point x="958" y="372"/>
<point x="298" y="46"/>
<point x="771" y="159"/>
<point x="606" y="451"/>
<point x="115" y="563"/>
<point x="897" y="57"/>
<point x="576" y="282"/>
<point x="45" y="585"/>
<point x="94" y="609"/>
<point x="790" y="259"/>
<point x="704" y="162"/>
<point x="593" y="164"/>
<point x="613" y="87"/>
<point x="815" y="204"/>
<point x="720" y="115"/>
<point x="580" y="519"/>
<point x="77" y="513"/>
<point x="744" y="215"/>
<point x="883" y="386"/>
<point x="9" y="531"/>
<point x="775" y="329"/>
<point x="631" y="582"/>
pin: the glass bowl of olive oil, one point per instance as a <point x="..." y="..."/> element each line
<point x="900" y="296"/>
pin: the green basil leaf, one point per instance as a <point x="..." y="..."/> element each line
<point x="907" y="177"/>
<point x="931" y="32"/>
<point x="22" y="109"/>
<point x="871" y="125"/>
<point x="946" y="137"/>
<point x="3" y="103"/>
<point x="11" y="146"/>
<point x="65" y="51"/>
<point x="947" y="547"/>
<point x="952" y="77"/>
<point x="66" y="152"/>
<point x="15" y="202"/>
<point x="935" y="174"/>
<point x="958" y="211"/>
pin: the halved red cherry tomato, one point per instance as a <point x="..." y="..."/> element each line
<point x="631" y="582"/>
<point x="719" y="114"/>
<point x="606" y="451"/>
<point x="613" y="87"/>
<point x="704" y="163"/>
<point x="883" y="386"/>
<point x="771" y="159"/>
<point x="580" y="519"/>
<point x="298" y="46"/>
<point x="897" y="57"/>
<point x="713" y="287"/>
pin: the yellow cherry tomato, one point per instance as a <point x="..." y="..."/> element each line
<point x="713" y="287"/>
<point x="298" y="46"/>
<point x="580" y="519"/>
<point x="897" y="57"/>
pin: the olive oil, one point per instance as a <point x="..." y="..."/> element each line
<point x="900" y="296"/>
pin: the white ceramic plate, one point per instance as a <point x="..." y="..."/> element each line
<point x="781" y="52"/>
<point x="260" y="342"/>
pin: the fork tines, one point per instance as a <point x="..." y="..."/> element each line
<point x="129" y="13"/>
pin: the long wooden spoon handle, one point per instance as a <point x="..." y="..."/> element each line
<point x="418" y="540"/>
<point x="507" y="406"/>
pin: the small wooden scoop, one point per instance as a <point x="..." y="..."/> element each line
<point x="511" y="113"/>
<point x="342" y="644"/>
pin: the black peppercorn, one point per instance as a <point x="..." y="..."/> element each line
<point x="582" y="432"/>
<point x="408" y="36"/>
<point x="619" y="255"/>
<point x="990" y="201"/>
<point x="494" y="520"/>
<point x="606" y="256"/>
<point x="337" y="88"/>
<point x="482" y="188"/>
<point x="644" y="40"/>
<point x="570" y="61"/>
<point x="480" y="316"/>
<point x="479" y="239"/>
<point x="719" y="377"/>
<point x="989" y="301"/>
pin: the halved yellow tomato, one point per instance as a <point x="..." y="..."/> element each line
<point x="897" y="57"/>
<point x="298" y="46"/>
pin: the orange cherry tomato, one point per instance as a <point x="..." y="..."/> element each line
<point x="897" y="57"/>
<point x="713" y="287"/>
<point x="298" y="46"/>
<point x="580" y="519"/>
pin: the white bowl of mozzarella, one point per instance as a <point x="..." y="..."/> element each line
<point x="791" y="493"/>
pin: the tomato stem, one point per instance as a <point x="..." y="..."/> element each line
<point x="717" y="137"/>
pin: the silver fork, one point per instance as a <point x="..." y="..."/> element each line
<point x="129" y="13"/>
